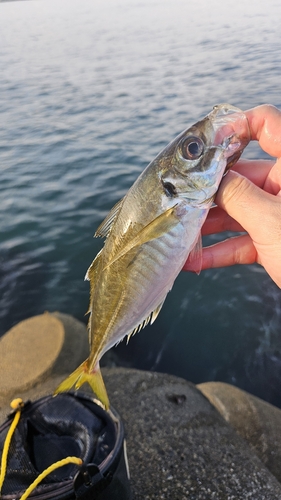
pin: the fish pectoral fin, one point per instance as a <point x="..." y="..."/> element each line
<point x="150" y="319"/>
<point x="154" y="229"/>
<point x="80" y="376"/>
<point x="105" y="227"/>
<point x="195" y="256"/>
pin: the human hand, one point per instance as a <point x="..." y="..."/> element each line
<point x="249" y="201"/>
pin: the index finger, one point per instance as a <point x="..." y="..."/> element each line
<point x="265" y="127"/>
<point x="256" y="171"/>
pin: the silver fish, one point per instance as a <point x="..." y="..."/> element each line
<point x="152" y="231"/>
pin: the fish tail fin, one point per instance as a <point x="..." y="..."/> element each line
<point x="83" y="374"/>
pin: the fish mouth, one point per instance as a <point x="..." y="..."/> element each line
<point x="231" y="160"/>
<point x="234" y="147"/>
<point x="231" y="131"/>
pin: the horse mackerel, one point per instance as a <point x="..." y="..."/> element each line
<point x="152" y="231"/>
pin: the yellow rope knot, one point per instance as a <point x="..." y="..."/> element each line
<point x="17" y="404"/>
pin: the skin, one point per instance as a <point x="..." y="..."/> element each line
<point x="249" y="201"/>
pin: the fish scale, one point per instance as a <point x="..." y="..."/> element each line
<point x="163" y="253"/>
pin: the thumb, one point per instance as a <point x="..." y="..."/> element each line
<point x="254" y="209"/>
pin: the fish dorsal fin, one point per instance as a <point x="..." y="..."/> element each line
<point x="105" y="227"/>
<point x="195" y="256"/>
<point x="93" y="267"/>
<point x="154" y="229"/>
<point x="150" y="319"/>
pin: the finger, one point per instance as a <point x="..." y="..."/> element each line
<point x="256" y="171"/>
<point x="265" y="174"/>
<point x="257" y="211"/>
<point x="273" y="181"/>
<point x="265" y="124"/>
<point x="219" y="221"/>
<point x="237" y="250"/>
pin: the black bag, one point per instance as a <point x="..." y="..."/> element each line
<point x="53" y="428"/>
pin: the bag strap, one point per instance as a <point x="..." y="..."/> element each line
<point x="51" y="468"/>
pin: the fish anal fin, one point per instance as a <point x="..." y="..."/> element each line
<point x="195" y="256"/>
<point x="80" y="376"/>
<point x="150" y="319"/>
<point x="105" y="227"/>
<point x="156" y="311"/>
<point x="154" y="229"/>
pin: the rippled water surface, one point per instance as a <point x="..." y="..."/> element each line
<point x="90" y="93"/>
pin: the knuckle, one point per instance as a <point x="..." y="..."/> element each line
<point x="269" y="109"/>
<point x="238" y="191"/>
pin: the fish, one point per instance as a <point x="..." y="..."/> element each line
<point x="150" y="233"/>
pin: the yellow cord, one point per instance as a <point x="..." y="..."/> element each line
<point x="56" y="465"/>
<point x="16" y="404"/>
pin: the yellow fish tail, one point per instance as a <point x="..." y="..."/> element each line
<point x="80" y="376"/>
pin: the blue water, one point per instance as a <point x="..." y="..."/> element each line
<point x="89" y="93"/>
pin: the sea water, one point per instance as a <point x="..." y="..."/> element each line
<point x="90" y="92"/>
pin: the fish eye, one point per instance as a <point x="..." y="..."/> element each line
<point x="192" y="148"/>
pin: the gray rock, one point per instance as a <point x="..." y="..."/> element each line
<point x="179" y="447"/>
<point x="256" y="421"/>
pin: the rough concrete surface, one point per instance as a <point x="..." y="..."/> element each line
<point x="22" y="363"/>
<point x="50" y="343"/>
<point x="179" y="445"/>
<point x="258" y="422"/>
